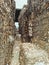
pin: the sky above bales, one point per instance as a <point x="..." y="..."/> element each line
<point x="20" y="3"/>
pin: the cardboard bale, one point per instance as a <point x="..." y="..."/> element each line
<point x="36" y="13"/>
<point x="7" y="30"/>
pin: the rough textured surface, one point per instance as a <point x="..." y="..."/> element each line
<point x="34" y="20"/>
<point x="15" y="54"/>
<point x="34" y="55"/>
<point x="7" y="9"/>
<point x="34" y="28"/>
<point x="23" y="24"/>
